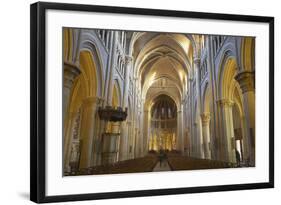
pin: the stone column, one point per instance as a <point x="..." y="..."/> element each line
<point x="199" y="139"/>
<point x="215" y="135"/>
<point x="70" y="72"/>
<point x="141" y="129"/>
<point x="205" y="118"/>
<point x="199" y="106"/>
<point x="116" y="128"/>
<point x="124" y="126"/>
<point x="246" y="81"/>
<point x="99" y="128"/>
<point x="191" y="110"/>
<point x="128" y="63"/>
<point x="194" y="152"/>
<point x="227" y="138"/>
<point x="111" y="68"/>
<point x="68" y="140"/>
<point x="123" y="155"/>
<point x="130" y="140"/>
<point x="180" y="142"/>
<point x="145" y="131"/>
<point x="89" y="108"/>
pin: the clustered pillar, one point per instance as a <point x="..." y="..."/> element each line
<point x="205" y="117"/>
<point x="89" y="108"/>
<point x="124" y="149"/>
<point x="180" y="140"/>
<point x="227" y="138"/>
<point x="200" y="152"/>
<point x="247" y="84"/>
<point x="71" y="72"/>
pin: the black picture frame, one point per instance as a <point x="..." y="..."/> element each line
<point x="38" y="101"/>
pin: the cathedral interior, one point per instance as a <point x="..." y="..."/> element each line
<point x="152" y="101"/>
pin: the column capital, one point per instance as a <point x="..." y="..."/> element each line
<point x="205" y="118"/>
<point x="72" y="114"/>
<point x="71" y="68"/>
<point x="196" y="60"/>
<point x="190" y="79"/>
<point x="128" y="59"/>
<point x="118" y="50"/>
<point x="70" y="72"/>
<point x="246" y="80"/>
<point x="91" y="100"/>
<point x="225" y="102"/>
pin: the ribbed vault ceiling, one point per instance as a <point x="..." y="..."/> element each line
<point x="162" y="56"/>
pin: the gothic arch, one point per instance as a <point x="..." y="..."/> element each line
<point x="155" y="53"/>
<point x="228" y="51"/>
<point x="137" y="35"/>
<point x="89" y="73"/>
<point x="67" y="44"/>
<point x="248" y="53"/>
<point x="77" y="95"/>
<point x="116" y="94"/>
<point x="236" y="96"/>
<point x="90" y="43"/>
<point x="86" y="88"/>
<point x="87" y="83"/>
<point x="226" y="77"/>
<point x="91" y="59"/>
<point x="207" y="98"/>
<point x="147" y="84"/>
<point x="149" y="101"/>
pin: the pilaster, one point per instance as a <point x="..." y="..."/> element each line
<point x="205" y="118"/>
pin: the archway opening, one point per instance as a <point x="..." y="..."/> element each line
<point x="163" y="124"/>
<point x="238" y="133"/>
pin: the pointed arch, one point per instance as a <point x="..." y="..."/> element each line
<point x="67" y="44"/>
<point x="89" y="73"/>
<point x="248" y="53"/>
<point x="226" y="77"/>
<point x="116" y="94"/>
<point x="207" y="96"/>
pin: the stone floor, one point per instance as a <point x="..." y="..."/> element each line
<point x="164" y="166"/>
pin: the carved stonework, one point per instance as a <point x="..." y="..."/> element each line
<point x="225" y="102"/>
<point x="246" y="80"/>
<point x="128" y="59"/>
<point x="197" y="60"/>
<point x="76" y="126"/>
<point x="112" y="114"/>
<point x="70" y="73"/>
<point x="205" y="117"/>
<point x="74" y="156"/>
<point x="90" y="101"/>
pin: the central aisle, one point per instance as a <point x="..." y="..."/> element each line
<point x="164" y="166"/>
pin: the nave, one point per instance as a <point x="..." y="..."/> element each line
<point x="128" y="95"/>
<point x="151" y="163"/>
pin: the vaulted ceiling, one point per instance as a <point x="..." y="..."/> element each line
<point x="161" y="56"/>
